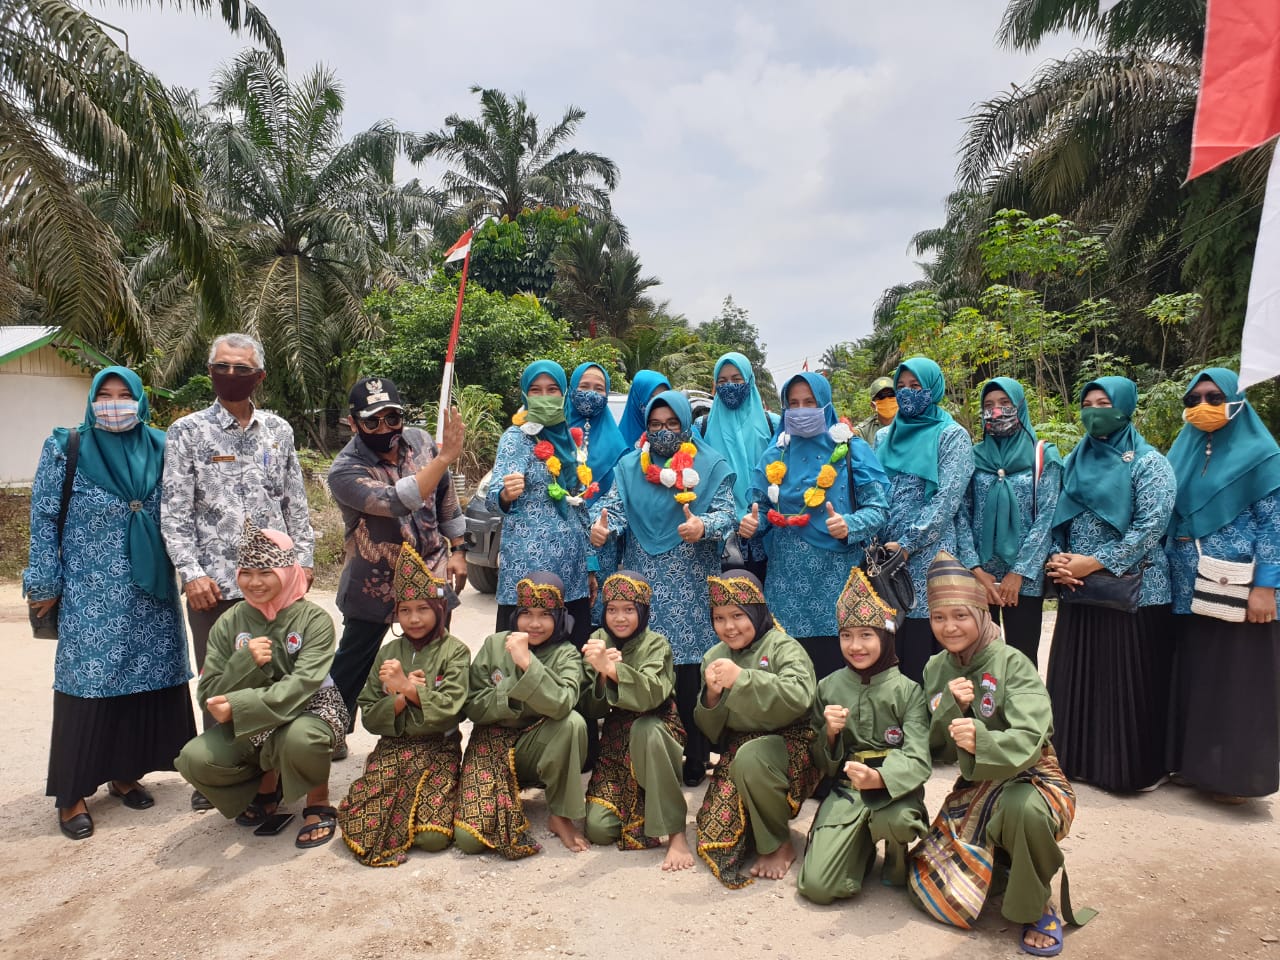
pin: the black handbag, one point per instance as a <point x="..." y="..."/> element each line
<point x="888" y="573"/>
<point x="46" y="627"/>
<point x="1104" y="589"/>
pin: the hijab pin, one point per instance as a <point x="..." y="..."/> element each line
<point x="1127" y="456"/>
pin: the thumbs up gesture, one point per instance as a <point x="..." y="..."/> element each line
<point x="750" y="523"/>
<point x="693" y="529"/>
<point x="600" y="529"/>
<point x="835" y="523"/>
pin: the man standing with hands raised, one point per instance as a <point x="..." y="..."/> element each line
<point x="674" y="498"/>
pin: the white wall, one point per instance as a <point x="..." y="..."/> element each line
<point x="32" y="406"/>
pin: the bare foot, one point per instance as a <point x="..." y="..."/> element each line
<point x="568" y="832"/>
<point x="774" y="866"/>
<point x="1034" y="938"/>
<point x="679" y="856"/>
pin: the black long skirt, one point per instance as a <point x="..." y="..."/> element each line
<point x="1224" y="732"/>
<point x="915" y="644"/>
<point x="97" y="739"/>
<point x="1109" y="679"/>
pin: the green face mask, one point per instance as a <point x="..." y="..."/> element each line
<point x="545" y="410"/>
<point x="1101" y="422"/>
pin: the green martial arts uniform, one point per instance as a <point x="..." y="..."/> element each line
<point x="1034" y="803"/>
<point x="889" y="721"/>
<point x="551" y="753"/>
<point x="646" y="682"/>
<point x="222" y="763"/>
<point x="445" y="663"/>
<point x="775" y="690"/>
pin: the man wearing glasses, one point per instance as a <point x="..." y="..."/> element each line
<point x="393" y="486"/>
<point x="222" y="464"/>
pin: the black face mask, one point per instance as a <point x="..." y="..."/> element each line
<point x="381" y="442"/>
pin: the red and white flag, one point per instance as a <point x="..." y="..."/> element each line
<point x="459" y="250"/>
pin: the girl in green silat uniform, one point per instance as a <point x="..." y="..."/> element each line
<point x="523" y="686"/>
<point x="634" y="797"/>
<point x="991" y="715"/>
<point x="872" y="724"/>
<point x="757" y="692"/>
<point x="412" y="700"/>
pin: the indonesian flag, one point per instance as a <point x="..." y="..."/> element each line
<point x="460" y="249"/>
<point x="1104" y="6"/>
<point x="1259" y="346"/>
<point x="1239" y="103"/>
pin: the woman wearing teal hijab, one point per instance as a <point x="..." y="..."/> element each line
<point x="1006" y="523"/>
<point x="741" y="429"/>
<point x="121" y="708"/>
<point x="1109" y="670"/>
<point x="537" y="487"/>
<point x="929" y="460"/>
<point x="1228" y="469"/>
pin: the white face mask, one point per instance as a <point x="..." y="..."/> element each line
<point x="115" y="416"/>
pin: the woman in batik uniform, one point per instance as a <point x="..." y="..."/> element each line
<point x="990" y="714"/>
<point x="758" y="689"/>
<point x="872" y="725"/>
<point x="523" y="686"/>
<point x="634" y="797"/>
<point x="412" y="700"/>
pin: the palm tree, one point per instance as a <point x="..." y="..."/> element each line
<point x="501" y="163"/>
<point x="316" y="224"/>
<point x="598" y="282"/>
<point x="73" y="107"/>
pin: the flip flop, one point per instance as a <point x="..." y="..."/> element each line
<point x="328" y="821"/>
<point x="257" y="810"/>
<point x="1049" y="925"/>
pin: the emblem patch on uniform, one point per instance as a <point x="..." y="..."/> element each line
<point x="242" y="639"/>
<point x="293" y="642"/>
<point x="893" y="736"/>
<point x="439" y="679"/>
<point x="989" y="681"/>
<point x="764" y="663"/>
<point x="937" y="699"/>
<point x="496" y="677"/>
<point x="988" y="705"/>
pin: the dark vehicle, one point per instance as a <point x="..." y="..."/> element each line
<point x="484" y="527"/>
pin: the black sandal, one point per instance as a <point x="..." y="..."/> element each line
<point x="328" y="821"/>
<point x="257" y="810"/>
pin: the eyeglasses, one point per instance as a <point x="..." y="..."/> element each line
<point x="666" y="425"/>
<point x="392" y="419"/>
<point x="1213" y="398"/>
<point x="234" y="369"/>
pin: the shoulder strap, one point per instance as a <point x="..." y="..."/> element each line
<point x="69" y="479"/>
<point x="1035" y="476"/>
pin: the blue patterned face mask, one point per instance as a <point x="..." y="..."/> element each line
<point x="665" y="443"/>
<point x="115" y="416"/>
<point x="804" y="421"/>
<point x="588" y="403"/>
<point x="734" y="395"/>
<point x="913" y="402"/>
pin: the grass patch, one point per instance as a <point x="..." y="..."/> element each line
<point x="326" y="519"/>
<point x="15" y="531"/>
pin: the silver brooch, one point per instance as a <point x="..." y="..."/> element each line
<point x="1127" y="456"/>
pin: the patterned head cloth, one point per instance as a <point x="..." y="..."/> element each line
<point x="860" y="606"/>
<point x="260" y="552"/>
<point x="532" y="595"/>
<point x="950" y="584"/>
<point x="738" y="589"/>
<point x="627" y="586"/>
<point x="413" y="580"/>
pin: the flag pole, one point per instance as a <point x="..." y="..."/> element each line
<point x="446" y="379"/>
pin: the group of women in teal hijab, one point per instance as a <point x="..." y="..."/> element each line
<point x="121" y="708"/>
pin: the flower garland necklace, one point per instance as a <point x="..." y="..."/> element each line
<point x="545" y="452"/>
<point x="678" y="472"/>
<point x="814" y="496"/>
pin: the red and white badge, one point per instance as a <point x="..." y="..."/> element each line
<point x="893" y="736"/>
<point x="242" y="639"/>
<point x="439" y="679"/>
<point x="293" y="642"/>
<point x="989" y="682"/>
<point x="764" y="663"/>
<point x="935" y="702"/>
<point x="987" y="707"/>
<point x="496" y="677"/>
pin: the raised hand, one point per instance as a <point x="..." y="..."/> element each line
<point x="455" y="432"/>
<point x="750" y="524"/>
<point x="837" y="718"/>
<point x="260" y="650"/>
<point x="962" y="690"/>
<point x="512" y="487"/>
<point x="693" y="529"/>
<point x="600" y="529"/>
<point x="836" y="525"/>
<point x="964" y="731"/>
<point x="862" y="776"/>
<point x="517" y="645"/>
<point x="391" y="673"/>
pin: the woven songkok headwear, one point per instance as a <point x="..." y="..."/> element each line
<point x="732" y="591"/>
<point x="860" y="606"/>
<point x="619" y="586"/>
<point x="259" y="552"/>
<point x="950" y="584"/>
<point x="538" y="596"/>
<point x="413" y="580"/>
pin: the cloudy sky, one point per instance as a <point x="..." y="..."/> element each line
<point x="781" y="153"/>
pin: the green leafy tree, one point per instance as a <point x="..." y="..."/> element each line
<point x="513" y="256"/>
<point x="598" y="285"/>
<point x="732" y="330"/>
